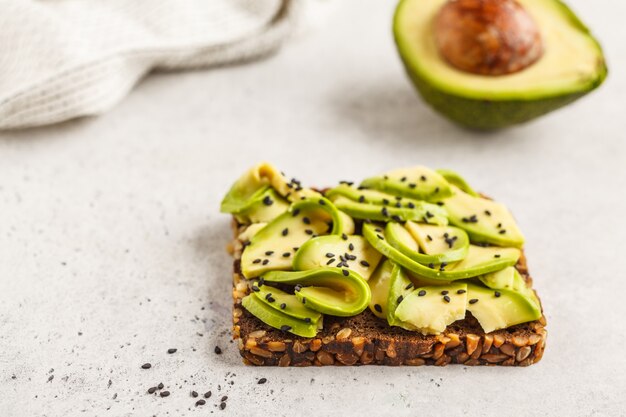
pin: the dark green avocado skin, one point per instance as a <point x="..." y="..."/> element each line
<point x="497" y="114"/>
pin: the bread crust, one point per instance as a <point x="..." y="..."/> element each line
<point x="365" y="339"/>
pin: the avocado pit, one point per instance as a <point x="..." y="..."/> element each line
<point x="487" y="37"/>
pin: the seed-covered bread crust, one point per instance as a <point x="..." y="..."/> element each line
<point x="365" y="339"/>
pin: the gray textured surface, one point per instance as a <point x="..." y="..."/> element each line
<point x="111" y="244"/>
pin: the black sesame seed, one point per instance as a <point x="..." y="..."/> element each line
<point x="439" y="203"/>
<point x="200" y="402"/>
<point x="446" y="298"/>
<point x="399" y="299"/>
<point x="207" y="394"/>
<point x="303" y="300"/>
<point x="285" y="328"/>
<point x="436" y="190"/>
<point x="365" y="263"/>
<point x="402" y="179"/>
<point x="255" y="288"/>
<point x="430" y="239"/>
<point x="269" y="253"/>
<point x="378" y="308"/>
<point x="262" y="381"/>
<point x="429" y="215"/>
<point x="330" y="255"/>
<point x="503" y="231"/>
<point x="497" y="255"/>
<point x="283" y="306"/>
<point x="421" y="293"/>
<point x="362" y="199"/>
<point x="385" y="212"/>
<point x="307" y="319"/>
<point x="344" y="236"/>
<point x="410" y="205"/>
<point x="423" y="178"/>
<point x="295" y="212"/>
<point x="345" y="272"/>
<point x="378" y="229"/>
<point x="396" y="218"/>
<point x="409" y="286"/>
<point x="412" y="185"/>
<point x="265" y="261"/>
<point x="217" y="350"/>
<point x="306" y="220"/>
<point x="499" y="225"/>
<point x="350" y="246"/>
<point x="165" y="394"/>
<point x="431" y="265"/>
<point x="146" y="366"/>
<point x="497" y="294"/>
<point x="286" y="255"/>
<point x="297" y="288"/>
<point x="380" y="237"/>
<point x="268" y="295"/>
<point x="268" y="200"/>
<point x="461" y="291"/>
<point x="256" y="261"/>
<point x="172" y="350"/>
<point x="322" y="203"/>
<point x="399" y="204"/>
<point x="330" y="261"/>
<point x="151" y="390"/>
<point x="194" y="394"/>
<point x="308" y="231"/>
<point x="271" y="299"/>
<point x="160" y="386"/>
<point x="222" y="406"/>
<point x="444" y="292"/>
<point x="261" y="281"/>
<point x="487" y="212"/>
<point x="473" y="301"/>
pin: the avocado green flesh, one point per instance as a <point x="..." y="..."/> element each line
<point x="379" y="284"/>
<point x="286" y="303"/>
<point x="327" y="290"/>
<point x="260" y="210"/>
<point x="366" y="196"/>
<point x="510" y="279"/>
<point x="277" y="319"/>
<point x="457" y="180"/>
<point x="431" y="240"/>
<point x="418" y="182"/>
<point x="400" y="286"/>
<point x="431" y="312"/>
<point x="499" y="312"/>
<point x="316" y="252"/>
<point x="572" y="65"/>
<point x="422" y="212"/>
<point x="484" y="220"/>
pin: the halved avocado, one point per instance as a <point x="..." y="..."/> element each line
<point x="278" y="319"/>
<point x="273" y="247"/>
<point x="327" y="290"/>
<point x="431" y="309"/>
<point x="484" y="220"/>
<point x="418" y="182"/>
<point x="499" y="309"/>
<point x="437" y="243"/>
<point x="479" y="260"/>
<point x="571" y="66"/>
<point x="286" y="303"/>
<point x="349" y="252"/>
<point x="379" y="284"/>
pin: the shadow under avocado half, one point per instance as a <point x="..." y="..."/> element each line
<point x="490" y="64"/>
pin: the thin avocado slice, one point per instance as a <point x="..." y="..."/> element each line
<point x="438" y="243"/>
<point x="263" y="208"/>
<point x="572" y="65"/>
<point x="365" y="196"/>
<point x="256" y="181"/>
<point x="278" y="319"/>
<point x="418" y="182"/>
<point x="351" y="252"/>
<point x="430" y="310"/>
<point x="250" y="231"/>
<point x="510" y="279"/>
<point x="478" y="261"/>
<point x="421" y="211"/>
<point x="379" y="284"/>
<point x="327" y="290"/>
<point x="484" y="220"/>
<point x="400" y="286"/>
<point x="457" y="180"/>
<point x="285" y="303"/>
<point x="499" y="309"/>
<point x="273" y="247"/>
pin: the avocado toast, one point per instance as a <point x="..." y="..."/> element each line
<point x="412" y="267"/>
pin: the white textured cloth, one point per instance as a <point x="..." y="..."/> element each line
<point x="60" y="59"/>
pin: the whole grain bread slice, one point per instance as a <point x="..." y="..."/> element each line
<point x="365" y="339"/>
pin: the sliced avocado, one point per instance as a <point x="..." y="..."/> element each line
<point x="273" y="247"/>
<point x="484" y="220"/>
<point x="351" y="252"/>
<point x="418" y="182"/>
<point x="400" y="286"/>
<point x="437" y="243"/>
<point x="256" y="181"/>
<point x="347" y="223"/>
<point x="510" y="279"/>
<point x="424" y="212"/>
<point x="327" y="290"/>
<point x="457" y="180"/>
<point x="285" y="302"/>
<point x="571" y="66"/>
<point x="278" y="319"/>
<point x="499" y="309"/>
<point x="365" y="196"/>
<point x="431" y="309"/>
<point x="479" y="260"/>
<point x="250" y="231"/>
<point x="379" y="286"/>
<point x="262" y="208"/>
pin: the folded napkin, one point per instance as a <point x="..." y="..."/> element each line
<point x="61" y="59"/>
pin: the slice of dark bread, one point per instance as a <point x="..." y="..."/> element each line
<point x="365" y="339"/>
